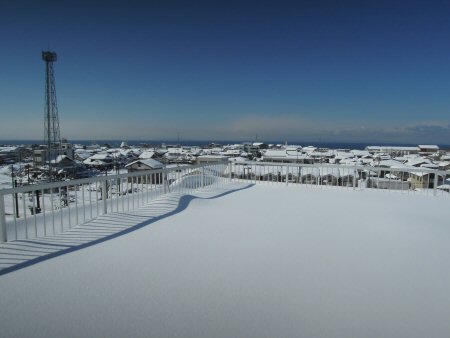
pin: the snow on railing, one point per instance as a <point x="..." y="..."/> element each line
<point x="409" y="179"/>
<point x="52" y="208"/>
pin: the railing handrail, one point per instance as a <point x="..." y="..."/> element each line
<point x="346" y="166"/>
<point x="59" y="184"/>
<point x="50" y="200"/>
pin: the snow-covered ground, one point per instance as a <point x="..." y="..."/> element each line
<point x="266" y="261"/>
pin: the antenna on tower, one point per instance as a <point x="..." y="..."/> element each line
<point x="52" y="135"/>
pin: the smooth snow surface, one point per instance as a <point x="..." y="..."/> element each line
<point x="268" y="261"/>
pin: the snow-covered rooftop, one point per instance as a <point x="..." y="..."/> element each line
<point x="149" y="163"/>
<point x="428" y="146"/>
<point x="147" y="154"/>
<point x="262" y="261"/>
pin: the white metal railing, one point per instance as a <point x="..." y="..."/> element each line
<point x="423" y="180"/>
<point x="51" y="208"/>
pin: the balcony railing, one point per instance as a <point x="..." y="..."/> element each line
<point x="51" y="208"/>
<point x="408" y="180"/>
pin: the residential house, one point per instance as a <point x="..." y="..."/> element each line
<point x="145" y="165"/>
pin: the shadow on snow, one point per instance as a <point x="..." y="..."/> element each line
<point x="97" y="231"/>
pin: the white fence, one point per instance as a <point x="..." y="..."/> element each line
<point x="414" y="180"/>
<point x="51" y="208"/>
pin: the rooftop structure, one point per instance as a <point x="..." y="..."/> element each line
<point x="243" y="261"/>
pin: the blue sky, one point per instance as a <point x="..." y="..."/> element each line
<point x="361" y="71"/>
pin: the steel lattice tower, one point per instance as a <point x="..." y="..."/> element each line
<point x="52" y="136"/>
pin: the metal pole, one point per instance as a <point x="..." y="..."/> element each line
<point x="203" y="177"/>
<point x="435" y="183"/>
<point x="164" y="179"/>
<point x="16" y="198"/>
<point x="2" y="219"/>
<point x="104" y="197"/>
<point x="14" y="185"/>
<point x="38" y="202"/>
<point x="287" y="174"/>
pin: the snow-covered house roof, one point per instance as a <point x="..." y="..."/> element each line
<point x="322" y="154"/>
<point x="309" y="149"/>
<point x="360" y="153"/>
<point x="392" y="149"/>
<point x="429" y="166"/>
<point x="342" y="155"/>
<point x="149" y="163"/>
<point x="8" y="149"/>
<point x="389" y="163"/>
<point x="416" y="162"/>
<point x="428" y="147"/>
<point x="382" y="157"/>
<point x="95" y="163"/>
<point x="349" y="161"/>
<point x="83" y="155"/>
<point x="177" y="150"/>
<point x="444" y="165"/>
<point x="215" y="150"/>
<point x="401" y="158"/>
<point x="195" y="151"/>
<point x="101" y="156"/>
<point x="232" y="152"/>
<point x="161" y="151"/>
<point x="130" y="152"/>
<point x="284" y="154"/>
<point x="275" y="153"/>
<point x="61" y="159"/>
<point x="402" y="166"/>
<point x="366" y="160"/>
<point x="147" y="154"/>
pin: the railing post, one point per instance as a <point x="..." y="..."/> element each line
<point x="104" y="196"/>
<point x="203" y="177"/>
<point x="3" y="237"/>
<point x="229" y="170"/>
<point x="435" y="183"/>
<point x="164" y="179"/>
<point x="287" y="175"/>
